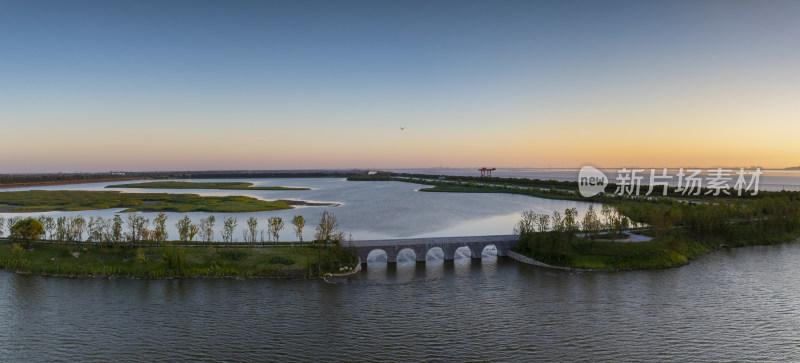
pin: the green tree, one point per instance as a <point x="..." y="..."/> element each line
<point x="525" y="229"/>
<point x="77" y="226"/>
<point x="116" y="229"/>
<point x="252" y="230"/>
<point x="49" y="226"/>
<point x="558" y="222"/>
<point x="606" y="211"/>
<point x="96" y="228"/>
<point x="183" y="226"/>
<point x="327" y="228"/>
<point x="26" y="231"/>
<point x="298" y="222"/>
<point x="326" y="234"/>
<point x="275" y="225"/>
<point x="136" y="224"/>
<point x="570" y="222"/>
<point x="160" y="233"/>
<point x="62" y="229"/>
<point x="193" y="229"/>
<point x="590" y="223"/>
<point x="229" y="226"/>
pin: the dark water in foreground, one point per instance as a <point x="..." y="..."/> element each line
<point x="741" y="304"/>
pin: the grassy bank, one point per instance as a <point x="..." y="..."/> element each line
<point x="533" y="192"/>
<point x="174" y="261"/>
<point x="549" y="189"/>
<point x="676" y="249"/>
<point x="201" y="185"/>
<point x="77" y="200"/>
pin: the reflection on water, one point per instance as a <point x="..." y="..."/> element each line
<point x="407" y="269"/>
<point x="410" y="271"/>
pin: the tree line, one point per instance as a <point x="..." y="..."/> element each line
<point x="735" y="222"/>
<point x="136" y="229"/>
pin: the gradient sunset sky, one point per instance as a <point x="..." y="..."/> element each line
<point x="190" y="85"/>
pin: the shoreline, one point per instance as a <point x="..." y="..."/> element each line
<point x="529" y="261"/>
<point x="358" y="268"/>
<point x="168" y="261"/>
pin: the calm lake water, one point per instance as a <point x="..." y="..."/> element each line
<point x="731" y="305"/>
<point x="740" y="304"/>
<point x="367" y="210"/>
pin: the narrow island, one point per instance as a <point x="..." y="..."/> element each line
<point x="136" y="248"/>
<point x="78" y="200"/>
<point x="176" y="260"/>
<point x="201" y="185"/>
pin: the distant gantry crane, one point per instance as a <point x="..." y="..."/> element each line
<point x="486" y="172"/>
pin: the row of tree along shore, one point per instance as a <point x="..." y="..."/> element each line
<point x="680" y="231"/>
<point x="113" y="247"/>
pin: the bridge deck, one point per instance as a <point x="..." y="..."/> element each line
<point x="434" y="240"/>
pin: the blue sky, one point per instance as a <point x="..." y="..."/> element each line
<point x="144" y="85"/>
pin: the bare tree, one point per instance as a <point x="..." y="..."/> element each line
<point x="543" y="222"/>
<point x="207" y="228"/>
<point x="525" y="225"/>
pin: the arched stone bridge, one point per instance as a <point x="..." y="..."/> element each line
<point x="448" y="245"/>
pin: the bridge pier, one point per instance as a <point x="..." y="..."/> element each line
<point x="449" y="252"/>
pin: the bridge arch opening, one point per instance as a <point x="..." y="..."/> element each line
<point x="377" y="257"/>
<point x="406" y="257"/>
<point x="434" y="255"/>
<point x="489" y="251"/>
<point x="462" y="253"/>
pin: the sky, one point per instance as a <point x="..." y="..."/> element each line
<point x="200" y="85"/>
